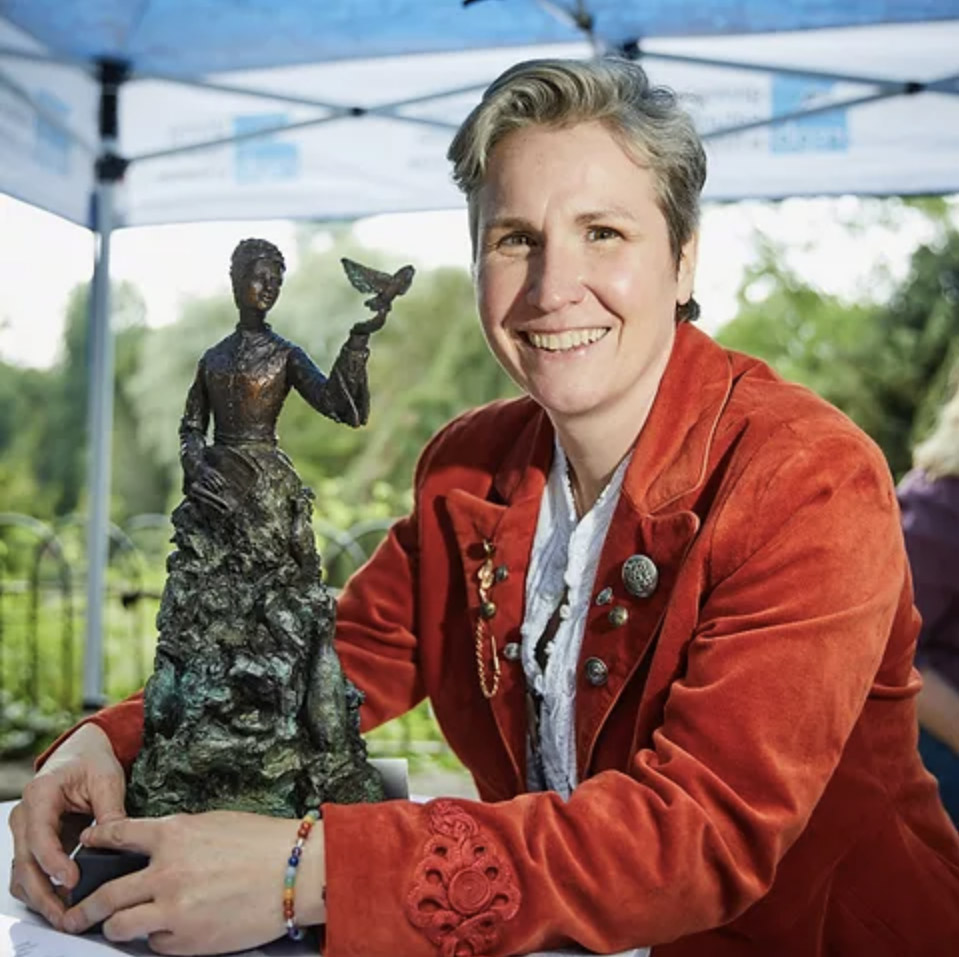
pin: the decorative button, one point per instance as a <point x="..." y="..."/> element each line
<point x="597" y="673"/>
<point x="564" y="611"/>
<point x="501" y="573"/>
<point x="605" y="596"/>
<point x="618" y="616"/>
<point x="511" y="651"/>
<point x="469" y="891"/>
<point x="488" y="609"/>
<point x="640" y="575"/>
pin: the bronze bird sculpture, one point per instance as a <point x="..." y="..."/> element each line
<point x="385" y="286"/>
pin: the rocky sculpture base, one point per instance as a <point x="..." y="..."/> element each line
<point x="248" y="708"/>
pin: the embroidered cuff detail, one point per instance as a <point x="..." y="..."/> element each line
<point x="463" y="889"/>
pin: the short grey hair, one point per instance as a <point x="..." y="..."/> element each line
<point x="647" y="120"/>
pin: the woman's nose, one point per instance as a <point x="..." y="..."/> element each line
<point x="554" y="279"/>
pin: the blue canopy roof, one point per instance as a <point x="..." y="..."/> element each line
<point x="190" y="37"/>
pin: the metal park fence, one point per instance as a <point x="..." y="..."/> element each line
<point x="42" y="613"/>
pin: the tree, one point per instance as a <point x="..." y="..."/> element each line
<point x="43" y="421"/>
<point x="887" y="366"/>
<point x="22" y="393"/>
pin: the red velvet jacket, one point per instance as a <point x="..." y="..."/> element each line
<point x="750" y="782"/>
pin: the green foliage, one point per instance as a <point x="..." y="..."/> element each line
<point x="416" y="736"/>
<point x="22" y="396"/>
<point x="887" y="366"/>
<point x="26" y="729"/>
<point x="43" y="419"/>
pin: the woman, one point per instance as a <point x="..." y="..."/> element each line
<point x="929" y="496"/>
<point x="661" y="607"/>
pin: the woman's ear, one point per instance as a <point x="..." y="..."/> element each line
<point x="686" y="274"/>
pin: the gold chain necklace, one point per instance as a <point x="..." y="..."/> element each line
<point x="486" y="611"/>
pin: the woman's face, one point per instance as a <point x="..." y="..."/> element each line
<point x="576" y="283"/>
<point x="261" y="284"/>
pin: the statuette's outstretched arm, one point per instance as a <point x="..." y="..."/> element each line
<point x="345" y="395"/>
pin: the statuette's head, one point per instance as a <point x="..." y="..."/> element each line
<point x="256" y="270"/>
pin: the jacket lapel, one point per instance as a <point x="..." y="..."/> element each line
<point x="621" y="646"/>
<point x="654" y="517"/>
<point x="509" y="528"/>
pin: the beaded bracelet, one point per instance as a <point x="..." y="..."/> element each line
<point x="306" y="825"/>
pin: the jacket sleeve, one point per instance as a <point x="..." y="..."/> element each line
<point x="376" y="617"/>
<point x="123" y="725"/>
<point x="808" y="577"/>
<point x="376" y="628"/>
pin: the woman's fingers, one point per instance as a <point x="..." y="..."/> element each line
<point x="28" y="882"/>
<point x="42" y="807"/>
<point x="141" y="920"/>
<point x="30" y="886"/>
<point x="111" y="898"/>
<point x="128" y="834"/>
<point x="81" y="776"/>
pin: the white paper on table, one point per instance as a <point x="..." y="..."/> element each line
<point x="24" y="938"/>
<point x="27" y="938"/>
<point x="579" y="952"/>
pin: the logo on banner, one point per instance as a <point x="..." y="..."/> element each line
<point x="820" y="133"/>
<point x="264" y="159"/>
<point x="51" y="146"/>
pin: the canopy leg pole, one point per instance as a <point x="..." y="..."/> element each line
<point x="99" y="430"/>
<point x="109" y="171"/>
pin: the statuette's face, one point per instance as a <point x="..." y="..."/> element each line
<point x="259" y="287"/>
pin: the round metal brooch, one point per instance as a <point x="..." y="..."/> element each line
<point x="640" y="575"/>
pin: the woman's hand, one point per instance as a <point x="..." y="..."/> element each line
<point x="214" y="882"/>
<point x="82" y="776"/>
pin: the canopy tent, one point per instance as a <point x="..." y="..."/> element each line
<point x="286" y="108"/>
<point x="132" y="112"/>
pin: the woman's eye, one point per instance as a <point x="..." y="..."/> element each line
<point x="515" y="239"/>
<point x="602" y="232"/>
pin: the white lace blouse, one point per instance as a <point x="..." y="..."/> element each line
<point x="565" y="555"/>
<point x="566" y="552"/>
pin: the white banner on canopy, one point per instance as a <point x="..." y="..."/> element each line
<point x="392" y="158"/>
<point x="348" y="166"/>
<point x="40" y="104"/>
<point x="341" y="167"/>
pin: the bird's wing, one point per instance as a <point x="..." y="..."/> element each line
<point x="364" y="278"/>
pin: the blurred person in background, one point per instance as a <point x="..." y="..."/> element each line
<point x="929" y="497"/>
